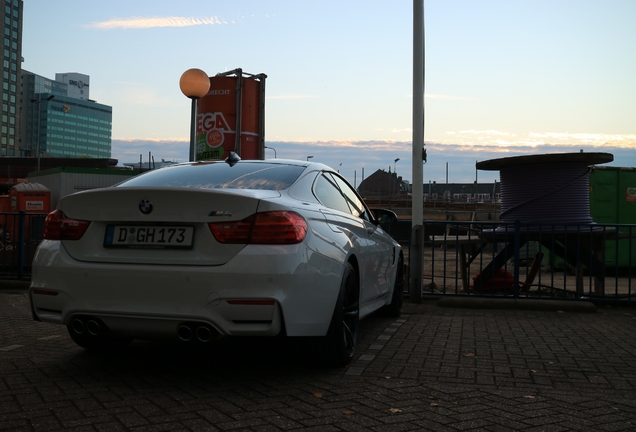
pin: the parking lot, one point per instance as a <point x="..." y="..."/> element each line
<point x="435" y="368"/>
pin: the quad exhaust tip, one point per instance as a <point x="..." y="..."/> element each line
<point x="87" y="325"/>
<point x="204" y="334"/>
<point x="93" y="327"/>
<point x="78" y="326"/>
<point x="184" y="332"/>
<point x="189" y="331"/>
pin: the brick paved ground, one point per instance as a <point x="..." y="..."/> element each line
<point x="440" y="369"/>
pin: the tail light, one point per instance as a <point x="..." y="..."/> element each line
<point x="59" y="227"/>
<point x="278" y="227"/>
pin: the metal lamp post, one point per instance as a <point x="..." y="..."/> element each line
<point x="194" y="84"/>
<point x="272" y="148"/>
<point x="38" y="101"/>
<point x="395" y="175"/>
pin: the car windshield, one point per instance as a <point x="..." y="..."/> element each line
<point x="220" y="175"/>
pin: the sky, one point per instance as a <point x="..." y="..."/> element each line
<point x="502" y="78"/>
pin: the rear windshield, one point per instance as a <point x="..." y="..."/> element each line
<point x="220" y="175"/>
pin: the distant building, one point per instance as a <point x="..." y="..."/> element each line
<point x="10" y="112"/>
<point x="61" y="120"/>
<point x="382" y="184"/>
<point x="145" y="166"/>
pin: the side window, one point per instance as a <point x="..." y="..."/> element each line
<point x="355" y="203"/>
<point x="329" y="194"/>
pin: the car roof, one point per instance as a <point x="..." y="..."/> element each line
<point x="312" y="165"/>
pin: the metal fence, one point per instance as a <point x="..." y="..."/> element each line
<point x="488" y="259"/>
<point x="20" y="235"/>
<point x="543" y="261"/>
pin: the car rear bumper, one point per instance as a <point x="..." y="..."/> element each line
<point x="260" y="291"/>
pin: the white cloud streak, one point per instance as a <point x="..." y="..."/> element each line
<point x="153" y="22"/>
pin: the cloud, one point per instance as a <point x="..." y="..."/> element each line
<point x="153" y="22"/>
<point x="300" y="96"/>
<point x="356" y="158"/>
<point x="572" y="141"/>
<point x="597" y="140"/>
<point x="483" y="132"/>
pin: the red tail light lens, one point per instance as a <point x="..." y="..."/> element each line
<point x="58" y="227"/>
<point x="232" y="232"/>
<point x="279" y="227"/>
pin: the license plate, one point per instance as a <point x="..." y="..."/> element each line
<point x="149" y="237"/>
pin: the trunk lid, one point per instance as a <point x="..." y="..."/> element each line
<point x="157" y="210"/>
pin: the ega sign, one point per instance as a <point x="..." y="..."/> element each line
<point x="212" y="129"/>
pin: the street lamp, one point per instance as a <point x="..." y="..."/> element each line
<point x="38" y="101"/>
<point x="272" y="148"/>
<point x="194" y="84"/>
<point x="395" y="174"/>
<point x="309" y="157"/>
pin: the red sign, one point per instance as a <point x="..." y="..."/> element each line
<point x="217" y="117"/>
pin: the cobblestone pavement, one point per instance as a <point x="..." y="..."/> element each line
<point x="438" y="369"/>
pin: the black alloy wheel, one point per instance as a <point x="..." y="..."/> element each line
<point x="394" y="309"/>
<point x="340" y="343"/>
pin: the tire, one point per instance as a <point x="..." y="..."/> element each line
<point x="339" y="345"/>
<point x="104" y="341"/>
<point x="394" y="309"/>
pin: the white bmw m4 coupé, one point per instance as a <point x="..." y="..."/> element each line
<point x="202" y="250"/>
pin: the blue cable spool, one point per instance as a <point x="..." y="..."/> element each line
<point x="546" y="189"/>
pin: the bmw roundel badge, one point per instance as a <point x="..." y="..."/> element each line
<point x="145" y="206"/>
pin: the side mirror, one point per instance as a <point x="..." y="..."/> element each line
<point x="384" y="216"/>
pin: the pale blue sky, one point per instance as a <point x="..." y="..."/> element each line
<point x="503" y="77"/>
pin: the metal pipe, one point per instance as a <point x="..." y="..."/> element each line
<point x="417" y="207"/>
<point x="193" y="128"/>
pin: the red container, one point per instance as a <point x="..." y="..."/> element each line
<point x="233" y="103"/>
<point x="30" y="197"/>
<point x="33" y="198"/>
<point x="4" y="203"/>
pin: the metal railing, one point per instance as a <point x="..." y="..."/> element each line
<point x="20" y="235"/>
<point x="487" y="259"/>
<point x="543" y="261"/>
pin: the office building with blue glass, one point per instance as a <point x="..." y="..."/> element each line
<point x="62" y="120"/>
